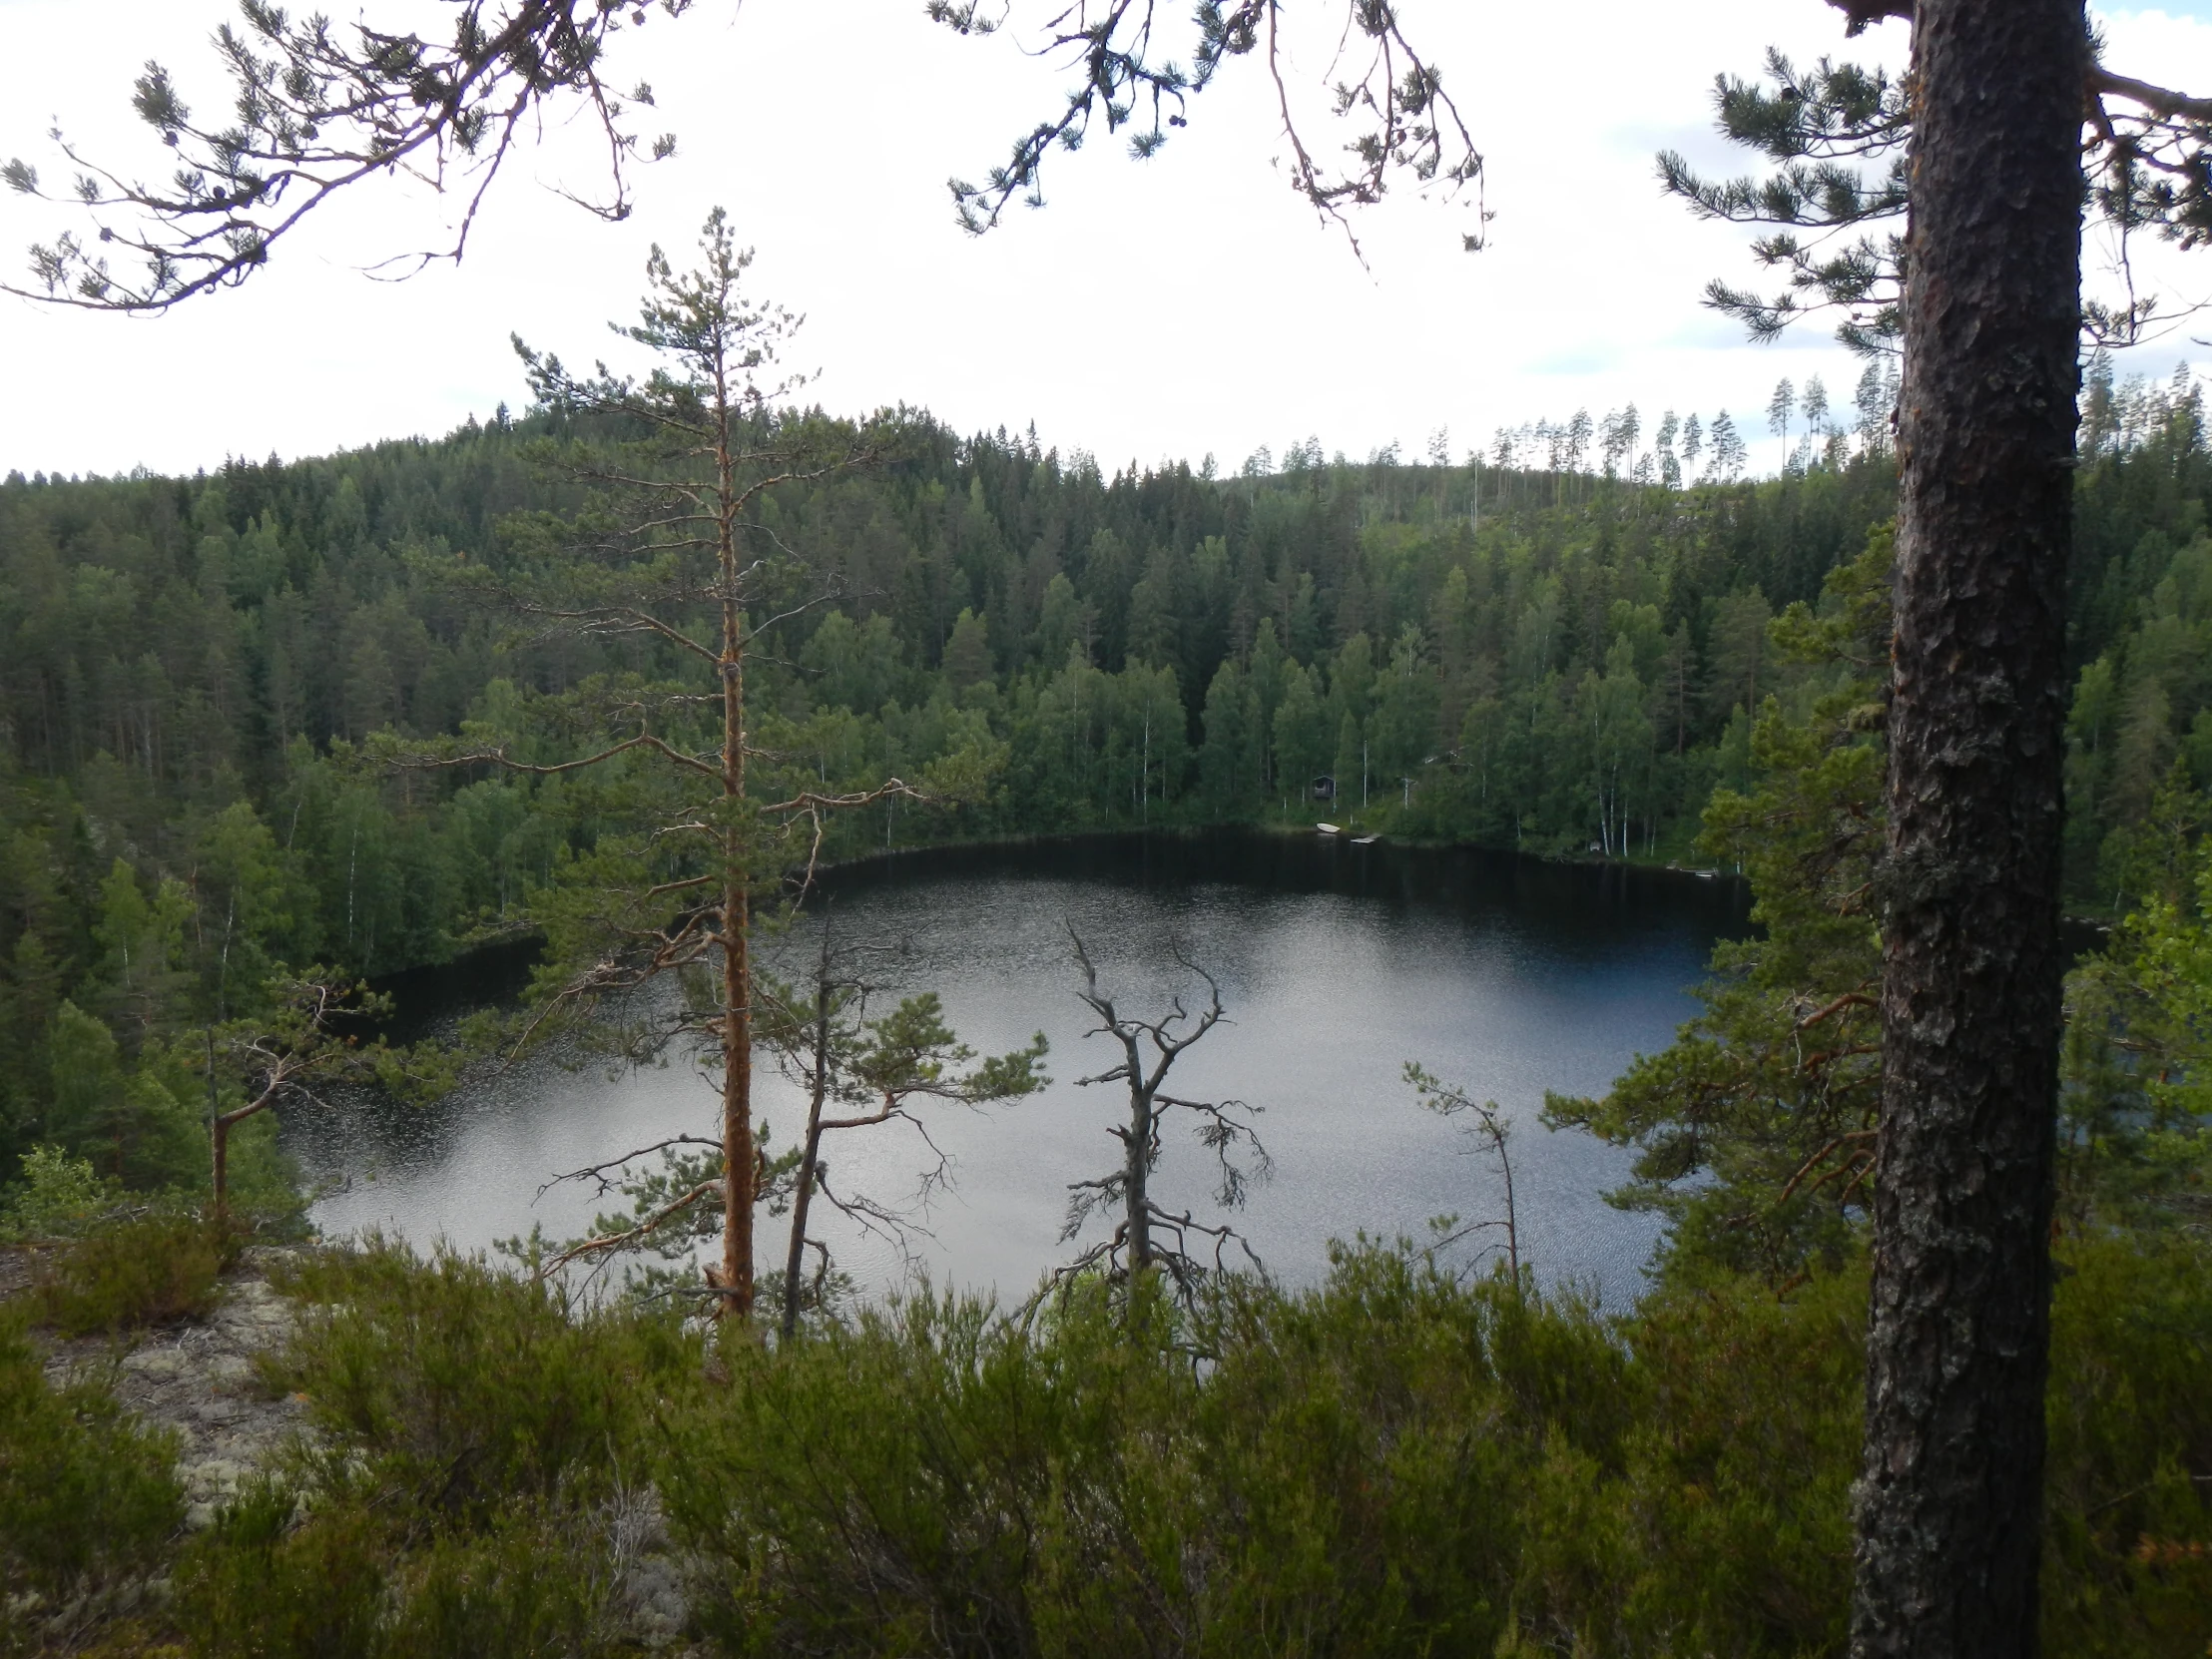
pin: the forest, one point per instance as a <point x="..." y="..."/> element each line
<point x="1916" y="1369"/>
<point x="1565" y="662"/>
<point x="251" y="726"/>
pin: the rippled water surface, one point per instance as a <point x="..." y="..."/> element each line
<point x="1337" y="964"/>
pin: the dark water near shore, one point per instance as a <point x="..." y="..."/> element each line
<point x="1338" y="963"/>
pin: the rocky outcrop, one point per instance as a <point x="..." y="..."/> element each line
<point x="197" y="1379"/>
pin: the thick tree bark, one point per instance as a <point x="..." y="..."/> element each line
<point x="1948" y="1505"/>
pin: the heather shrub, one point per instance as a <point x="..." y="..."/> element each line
<point x="267" y="1579"/>
<point x="2127" y="1554"/>
<point x="353" y="1576"/>
<point x="467" y="1388"/>
<point x="1390" y="1461"/>
<point x="148" y="1269"/>
<point x="86" y="1492"/>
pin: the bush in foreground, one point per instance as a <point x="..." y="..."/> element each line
<point x="1388" y="1462"/>
<point x="151" y="1269"/>
<point x="1392" y="1462"/>
<point x="86" y="1494"/>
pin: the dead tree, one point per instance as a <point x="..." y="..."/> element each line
<point x="1147" y="1237"/>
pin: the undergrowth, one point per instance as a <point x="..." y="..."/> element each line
<point x="1388" y="1462"/>
<point x="148" y="1268"/>
<point x="87" y="1496"/>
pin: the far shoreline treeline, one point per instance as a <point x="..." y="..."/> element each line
<point x="1567" y="665"/>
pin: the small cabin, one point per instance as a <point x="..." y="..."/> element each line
<point x="1325" y="788"/>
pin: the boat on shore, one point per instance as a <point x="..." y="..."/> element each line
<point x="1327" y="829"/>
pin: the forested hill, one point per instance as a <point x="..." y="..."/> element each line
<point x="1555" y="660"/>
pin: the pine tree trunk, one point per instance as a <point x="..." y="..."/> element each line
<point x="1947" y="1511"/>
<point x="810" y="1162"/>
<point x="218" y="1131"/>
<point x="738" y="1157"/>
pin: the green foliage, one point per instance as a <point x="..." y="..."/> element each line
<point x="148" y="1269"/>
<point x="859" y="1073"/>
<point x="55" y="1196"/>
<point x="1396" y="1460"/>
<point x="85" y="1492"/>
<point x="1396" y="1463"/>
<point x="256" y="1584"/>
<point x="2130" y="1487"/>
<point x="1755" y="1130"/>
<point x="470" y="1482"/>
<point x="466" y="1389"/>
<point x="2136" y="1126"/>
<point x="345" y="1579"/>
<point x="198" y="672"/>
<point x="938" y="1479"/>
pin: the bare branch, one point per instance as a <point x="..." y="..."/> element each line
<point x="629" y="1236"/>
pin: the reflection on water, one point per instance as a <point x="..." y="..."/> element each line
<point x="1336" y="964"/>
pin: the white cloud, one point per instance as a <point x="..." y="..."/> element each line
<point x="1185" y="305"/>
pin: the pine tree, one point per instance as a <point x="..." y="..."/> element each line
<point x="1948" y="1532"/>
<point x="677" y="894"/>
<point x="1816" y="407"/>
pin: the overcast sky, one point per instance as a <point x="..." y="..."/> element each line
<point x="1186" y="306"/>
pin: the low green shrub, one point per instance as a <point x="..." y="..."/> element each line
<point x="150" y="1269"/>
<point x="84" y="1490"/>
<point x="266" y="1580"/>
<point x="1352" y="1469"/>
<point x="2127" y="1554"/>
<point x="1392" y="1463"/>
<point x="55" y="1196"/>
<point x="464" y="1387"/>
<point x="1389" y="1463"/>
<point x="351" y="1578"/>
<point x="535" y="1583"/>
<point x="472" y="1429"/>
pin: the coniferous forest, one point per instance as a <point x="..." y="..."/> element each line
<point x="251" y="720"/>
<point x="1916" y="1366"/>
<point x="1560" y="662"/>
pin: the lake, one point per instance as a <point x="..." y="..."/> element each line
<point x="1504" y="975"/>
